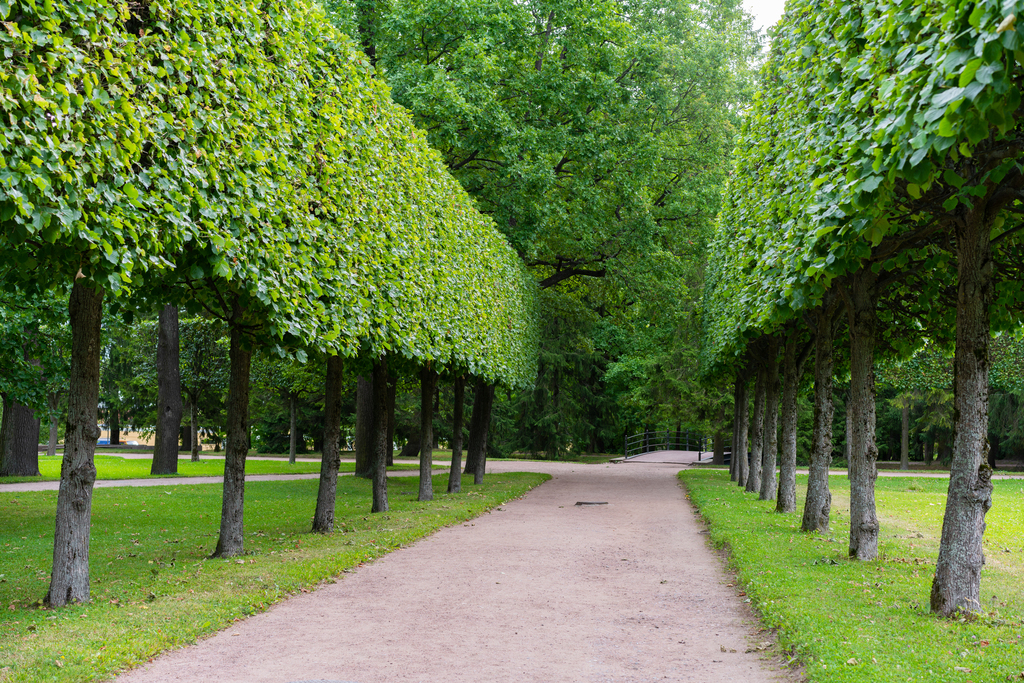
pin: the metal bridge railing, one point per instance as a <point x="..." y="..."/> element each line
<point x="651" y="441"/>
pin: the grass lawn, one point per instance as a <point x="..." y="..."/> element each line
<point x="116" y="467"/>
<point x="153" y="585"/>
<point x="868" y="621"/>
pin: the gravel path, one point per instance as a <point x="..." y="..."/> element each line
<point x="539" y="590"/>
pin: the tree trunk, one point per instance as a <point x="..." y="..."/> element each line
<point x="69" y="579"/>
<point x="771" y="425"/>
<point x="957" y="584"/>
<point x="19" y="445"/>
<point x="863" y="321"/>
<point x="292" y="431"/>
<point x="757" y="429"/>
<point x="739" y="454"/>
<point x="379" y="435"/>
<point x="193" y="429"/>
<point x="927" y="455"/>
<point x="428" y="389"/>
<point x="436" y="414"/>
<point x="818" y="504"/>
<point x="718" y="446"/>
<point x="364" y="427"/>
<point x="392" y="395"/>
<point x="115" y="427"/>
<point x="169" y="408"/>
<point x="787" y="470"/>
<point x="455" y="473"/>
<point x="411" y="449"/>
<point x="185" y="436"/>
<point x="905" y="437"/>
<point x="231" y="538"/>
<point x="54" y="404"/>
<point x="849" y="430"/>
<point x="479" y="422"/>
<point x="330" y="461"/>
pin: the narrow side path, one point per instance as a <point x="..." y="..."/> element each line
<point x="539" y="590"/>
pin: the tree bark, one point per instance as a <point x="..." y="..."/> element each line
<point x="231" y="538"/>
<point x="54" y="404"/>
<point x="69" y="579"/>
<point x="739" y="455"/>
<point x="115" y="427"/>
<point x="19" y="441"/>
<point x="479" y="422"/>
<point x="292" y="430"/>
<point x="323" y="517"/>
<point x="757" y="429"/>
<point x="786" y="502"/>
<point x="379" y="435"/>
<point x="818" y="504"/>
<point x="957" y="583"/>
<point x="771" y="425"/>
<point x="193" y="429"/>
<point x="428" y="389"/>
<point x="863" y="321"/>
<point x="849" y="429"/>
<point x="169" y="408"/>
<point x="718" y="448"/>
<point x="364" y="427"/>
<point x="455" y="473"/>
<point x="905" y="437"/>
<point x="392" y="395"/>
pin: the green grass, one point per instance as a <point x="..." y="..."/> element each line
<point x="153" y="586"/>
<point x="853" y="621"/>
<point x="115" y="467"/>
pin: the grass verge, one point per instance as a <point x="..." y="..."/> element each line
<point x="154" y="587"/>
<point x="851" y="621"/>
<point x="116" y="467"/>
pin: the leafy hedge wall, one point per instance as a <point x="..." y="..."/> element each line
<point x="242" y="158"/>
<point x="865" y="113"/>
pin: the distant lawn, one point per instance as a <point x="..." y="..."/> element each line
<point x="868" y="621"/>
<point x="116" y="467"/>
<point x="153" y="586"/>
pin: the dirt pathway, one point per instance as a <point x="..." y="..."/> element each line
<point x="539" y="590"/>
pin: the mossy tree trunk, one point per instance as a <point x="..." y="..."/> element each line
<point x="69" y="578"/>
<point x="168" y="383"/>
<point x="753" y="484"/>
<point x="455" y="472"/>
<point x="818" y="503"/>
<point x="379" y="436"/>
<point x="957" y="583"/>
<point x="863" y="322"/>
<point x="428" y="390"/>
<point x="771" y="424"/>
<point x="231" y="538"/>
<point x="323" y="517"/>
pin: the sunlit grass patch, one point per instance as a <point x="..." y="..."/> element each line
<point x="869" y="621"/>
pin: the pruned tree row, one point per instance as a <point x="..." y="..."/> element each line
<point x="240" y="161"/>
<point x="874" y="200"/>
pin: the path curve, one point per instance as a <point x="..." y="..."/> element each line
<point x="539" y="590"/>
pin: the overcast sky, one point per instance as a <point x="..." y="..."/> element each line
<point x="766" y="12"/>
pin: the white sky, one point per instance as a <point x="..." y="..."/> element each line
<point x="766" y="12"/>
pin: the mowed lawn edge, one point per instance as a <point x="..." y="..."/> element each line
<point x="847" y="621"/>
<point x="115" y="467"/>
<point x="154" y="587"/>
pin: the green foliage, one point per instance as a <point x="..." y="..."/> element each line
<point x="874" y="123"/>
<point x="250" y="148"/>
<point x="857" y="622"/>
<point x="34" y="348"/>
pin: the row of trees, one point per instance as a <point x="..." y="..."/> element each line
<point x="874" y="201"/>
<point x="244" y="163"/>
